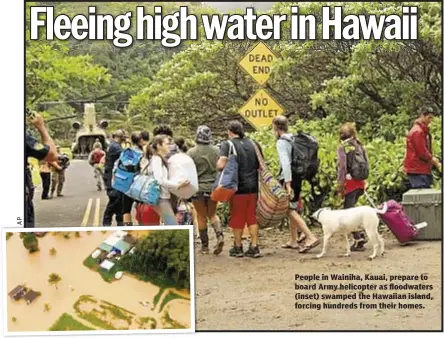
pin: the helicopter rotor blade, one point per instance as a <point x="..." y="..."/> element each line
<point x="61" y="118"/>
<point x="81" y="101"/>
<point x="124" y="102"/>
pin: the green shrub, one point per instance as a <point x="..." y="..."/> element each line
<point x="30" y="241"/>
<point x="68" y="323"/>
<point x="385" y="151"/>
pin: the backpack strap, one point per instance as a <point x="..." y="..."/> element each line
<point x="286" y="139"/>
<point x="232" y="150"/>
<point x="291" y="154"/>
<point x="262" y="165"/>
<point x="144" y="170"/>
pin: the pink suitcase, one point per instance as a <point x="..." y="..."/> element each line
<point x="399" y="223"/>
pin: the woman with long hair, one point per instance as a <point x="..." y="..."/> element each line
<point x="157" y="153"/>
<point x="350" y="188"/>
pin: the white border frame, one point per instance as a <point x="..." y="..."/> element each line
<point x="192" y="329"/>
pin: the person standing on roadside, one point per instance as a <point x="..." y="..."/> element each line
<point x="95" y="160"/>
<point x="46" y="169"/>
<point x="243" y="203"/>
<point x="205" y="158"/>
<point x="156" y="154"/>
<point x="45" y="175"/>
<point x="351" y="183"/>
<point x="293" y="184"/>
<point x="58" y="173"/>
<point x="419" y="159"/>
<point x="44" y="150"/>
<point x="145" y="214"/>
<point x="128" y="202"/>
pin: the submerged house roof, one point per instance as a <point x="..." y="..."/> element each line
<point x="107" y="265"/>
<point x="31" y="295"/>
<point x="120" y="233"/>
<point x="18" y="289"/>
<point x="106" y="247"/>
<point x="122" y="246"/>
<point x="112" y="240"/>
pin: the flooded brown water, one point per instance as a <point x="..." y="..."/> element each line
<point x="34" y="270"/>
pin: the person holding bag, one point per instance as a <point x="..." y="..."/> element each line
<point x="127" y="201"/>
<point x="146" y="191"/>
<point x="157" y="153"/>
<point x="243" y="203"/>
<point x="205" y="156"/>
<point x="273" y="201"/>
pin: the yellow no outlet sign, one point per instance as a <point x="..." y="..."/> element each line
<point x="261" y="109"/>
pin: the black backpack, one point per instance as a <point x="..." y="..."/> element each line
<point x="357" y="163"/>
<point x="304" y="156"/>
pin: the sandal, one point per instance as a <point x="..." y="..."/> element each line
<point x="307" y="248"/>
<point x="288" y="246"/>
<point x="302" y="238"/>
<point x="358" y="245"/>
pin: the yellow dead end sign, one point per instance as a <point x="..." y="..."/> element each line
<point x="261" y="109"/>
<point x="258" y="62"/>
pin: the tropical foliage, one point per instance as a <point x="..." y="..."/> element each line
<point x="30" y="241"/>
<point x="320" y="83"/>
<point x="162" y="253"/>
<point x="387" y="179"/>
<point x="54" y="279"/>
<point x="362" y="81"/>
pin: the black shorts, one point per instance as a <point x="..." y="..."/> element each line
<point x="352" y="198"/>
<point x="201" y="195"/>
<point x="296" y="185"/>
<point x="127" y="204"/>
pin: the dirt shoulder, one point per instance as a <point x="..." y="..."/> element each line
<point x="259" y="294"/>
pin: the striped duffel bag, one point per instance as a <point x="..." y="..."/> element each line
<point x="273" y="201"/>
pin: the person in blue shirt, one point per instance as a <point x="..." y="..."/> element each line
<point x="40" y="150"/>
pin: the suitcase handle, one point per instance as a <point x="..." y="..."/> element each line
<point x="370" y="200"/>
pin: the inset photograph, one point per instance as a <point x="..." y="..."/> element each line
<point x="96" y="280"/>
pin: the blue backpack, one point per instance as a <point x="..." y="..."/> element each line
<point x="125" y="169"/>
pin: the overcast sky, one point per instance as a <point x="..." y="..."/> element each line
<point x="228" y="6"/>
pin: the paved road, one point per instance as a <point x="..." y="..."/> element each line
<point x="82" y="204"/>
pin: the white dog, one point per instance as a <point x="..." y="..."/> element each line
<point x="349" y="220"/>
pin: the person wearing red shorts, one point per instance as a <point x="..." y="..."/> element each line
<point x="243" y="203"/>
